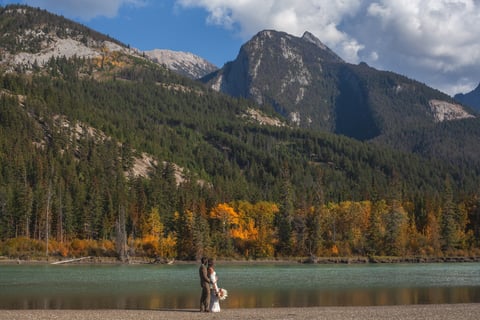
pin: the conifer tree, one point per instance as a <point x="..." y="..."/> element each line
<point x="285" y="217"/>
<point x="374" y="238"/>
<point x="448" y="225"/>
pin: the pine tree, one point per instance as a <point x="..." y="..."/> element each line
<point x="285" y="217"/>
<point x="374" y="237"/>
<point x="396" y="224"/>
<point x="448" y="225"/>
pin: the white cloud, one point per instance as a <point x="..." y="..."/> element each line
<point x="434" y="41"/>
<point x="85" y="9"/>
<point x="247" y="17"/>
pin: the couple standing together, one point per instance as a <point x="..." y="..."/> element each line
<point x="209" y="302"/>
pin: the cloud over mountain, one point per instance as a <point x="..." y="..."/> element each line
<point x="85" y="9"/>
<point x="435" y="41"/>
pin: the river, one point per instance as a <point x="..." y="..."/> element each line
<point x="249" y="285"/>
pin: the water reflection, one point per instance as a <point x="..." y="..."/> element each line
<point x="356" y="297"/>
<point x="245" y="299"/>
<point x="176" y="287"/>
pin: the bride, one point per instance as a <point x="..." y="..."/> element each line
<point x="214" y="290"/>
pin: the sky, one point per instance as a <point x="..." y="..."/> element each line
<point x="436" y="42"/>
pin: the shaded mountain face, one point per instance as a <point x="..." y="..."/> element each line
<point x="184" y="63"/>
<point x="284" y="71"/>
<point x="471" y="99"/>
<point x="310" y="85"/>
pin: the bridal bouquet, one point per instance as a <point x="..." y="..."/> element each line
<point x="222" y="294"/>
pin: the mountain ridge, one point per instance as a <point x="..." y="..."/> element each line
<point x="40" y="35"/>
<point x="471" y="98"/>
<point x="310" y="86"/>
<point x="59" y="37"/>
<point x="184" y="63"/>
<point x="308" y="83"/>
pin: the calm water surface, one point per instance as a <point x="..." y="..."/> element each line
<point x="177" y="286"/>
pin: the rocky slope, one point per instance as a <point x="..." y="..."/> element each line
<point x="184" y="63"/>
<point x="314" y="88"/>
<point x="38" y="37"/>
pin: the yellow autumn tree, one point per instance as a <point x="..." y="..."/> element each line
<point x="257" y="219"/>
<point x="244" y="234"/>
<point x="344" y="226"/>
<point x="265" y="213"/>
<point x="152" y="231"/>
<point x="432" y="233"/>
<point x="168" y="247"/>
<point x="152" y="225"/>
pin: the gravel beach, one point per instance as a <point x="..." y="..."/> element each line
<point x="438" y="312"/>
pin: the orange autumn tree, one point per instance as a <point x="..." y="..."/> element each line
<point x="245" y="237"/>
<point x="226" y="215"/>
<point x="246" y="228"/>
<point x="224" y="220"/>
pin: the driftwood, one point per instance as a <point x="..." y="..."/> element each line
<point x="160" y="260"/>
<point x="71" y="260"/>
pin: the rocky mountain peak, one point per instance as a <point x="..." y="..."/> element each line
<point x="313" y="87"/>
<point x="30" y="37"/>
<point x="472" y="98"/>
<point x="281" y="70"/>
<point x="311" y="38"/>
<point x="184" y="63"/>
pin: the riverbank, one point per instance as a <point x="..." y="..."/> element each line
<point x="316" y="260"/>
<point x="415" y="312"/>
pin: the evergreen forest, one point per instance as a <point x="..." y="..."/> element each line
<point x="123" y="158"/>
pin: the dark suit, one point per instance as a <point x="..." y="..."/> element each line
<point x="205" y="284"/>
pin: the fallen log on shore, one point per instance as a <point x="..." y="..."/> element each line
<point x="71" y="260"/>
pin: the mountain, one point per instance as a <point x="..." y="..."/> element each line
<point x="284" y="71"/>
<point x="62" y="53"/>
<point x="40" y="36"/>
<point x="184" y="63"/>
<point x="104" y="148"/>
<point x="305" y="82"/>
<point x="30" y="38"/>
<point x="471" y="99"/>
<point x="313" y="87"/>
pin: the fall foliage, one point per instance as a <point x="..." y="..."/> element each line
<point x="245" y="230"/>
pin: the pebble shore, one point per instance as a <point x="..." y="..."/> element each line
<point x="415" y="312"/>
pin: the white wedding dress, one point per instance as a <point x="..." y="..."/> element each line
<point x="214" y="301"/>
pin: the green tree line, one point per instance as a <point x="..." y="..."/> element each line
<point x="332" y="195"/>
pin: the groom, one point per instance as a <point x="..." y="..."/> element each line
<point x="205" y="284"/>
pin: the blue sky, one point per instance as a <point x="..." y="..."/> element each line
<point x="434" y="41"/>
<point x="163" y="25"/>
<point x="147" y="25"/>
